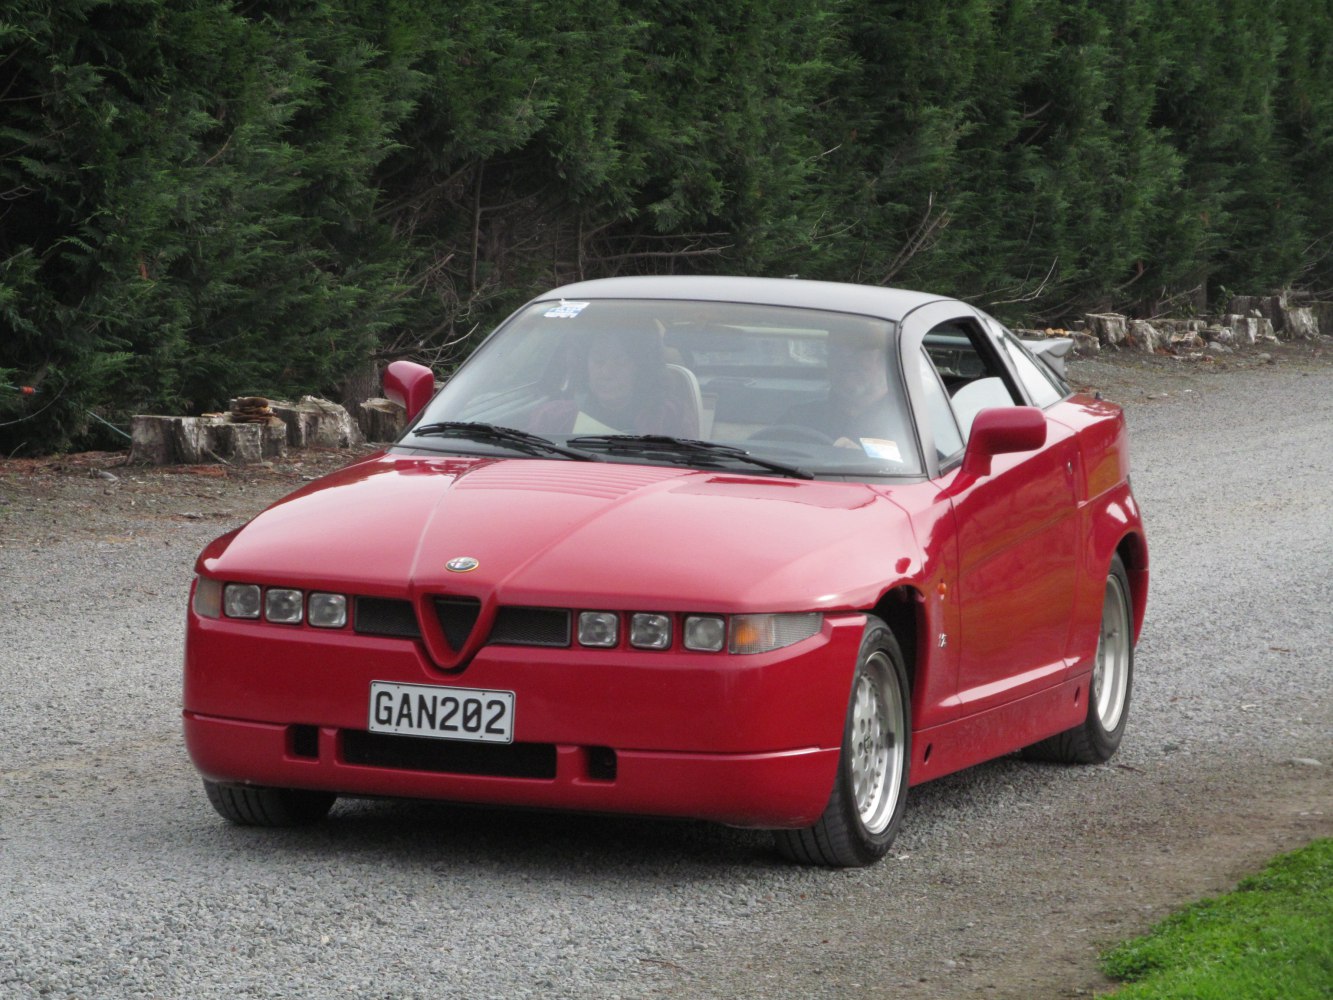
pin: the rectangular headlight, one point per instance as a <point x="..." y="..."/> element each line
<point x="650" y="631"/>
<point x="284" y="606"/>
<point x="328" y="610"/>
<point x="705" y="633"/>
<point x="240" y="600"/>
<point x="599" y="628"/>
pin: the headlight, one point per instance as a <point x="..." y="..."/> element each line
<point x="650" y="631"/>
<point x="240" y="600"/>
<point x="283" y="606"/>
<point x="328" y="610"/>
<point x="763" y="633"/>
<point x="705" y="634"/>
<point x="599" y="628"/>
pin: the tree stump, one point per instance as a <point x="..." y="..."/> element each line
<point x="158" y="440"/>
<point x="317" y="423"/>
<point x="381" y="419"/>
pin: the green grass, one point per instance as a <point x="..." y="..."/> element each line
<point x="1271" y="938"/>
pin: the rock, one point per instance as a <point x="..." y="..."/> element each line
<point x="1307" y="762"/>
<point x="1217" y="347"/>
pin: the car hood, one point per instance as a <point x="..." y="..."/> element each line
<point x="544" y="533"/>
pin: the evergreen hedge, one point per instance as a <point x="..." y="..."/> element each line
<point x="201" y="199"/>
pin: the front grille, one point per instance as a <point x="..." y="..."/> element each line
<point x="417" y="753"/>
<point x="386" y="616"/>
<point x="457" y="615"/>
<point x="530" y="627"/>
<point x="513" y="626"/>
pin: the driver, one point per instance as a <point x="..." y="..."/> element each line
<point x="859" y="411"/>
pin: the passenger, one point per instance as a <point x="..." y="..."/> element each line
<point x="621" y="388"/>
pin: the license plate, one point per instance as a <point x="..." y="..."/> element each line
<point x="442" y="713"/>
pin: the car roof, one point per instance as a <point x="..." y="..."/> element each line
<point x="866" y="300"/>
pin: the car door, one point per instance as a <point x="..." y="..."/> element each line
<point x="1016" y="531"/>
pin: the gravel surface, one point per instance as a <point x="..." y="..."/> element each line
<point x="118" y="880"/>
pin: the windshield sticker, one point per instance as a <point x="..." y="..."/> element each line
<point x="881" y="448"/>
<point x="565" y="310"/>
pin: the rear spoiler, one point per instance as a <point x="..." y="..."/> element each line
<point x="1052" y="351"/>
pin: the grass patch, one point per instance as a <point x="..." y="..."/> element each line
<point x="1271" y="938"/>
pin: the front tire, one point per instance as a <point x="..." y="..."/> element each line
<point x="247" y="805"/>
<point x="1096" y="739"/>
<point x="870" y="788"/>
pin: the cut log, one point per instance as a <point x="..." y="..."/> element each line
<point x="317" y="423"/>
<point x="158" y="440"/>
<point x="152" y="441"/>
<point x="381" y="419"/>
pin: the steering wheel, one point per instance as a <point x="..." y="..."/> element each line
<point x="797" y="433"/>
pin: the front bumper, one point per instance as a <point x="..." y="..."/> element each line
<point x="744" y="740"/>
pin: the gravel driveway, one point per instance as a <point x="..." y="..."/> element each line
<point x="118" y="880"/>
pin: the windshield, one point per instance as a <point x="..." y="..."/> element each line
<point x="791" y="386"/>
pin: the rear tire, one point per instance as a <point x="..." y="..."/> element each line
<point x="247" y="805"/>
<point x="1096" y="739"/>
<point x="870" y="788"/>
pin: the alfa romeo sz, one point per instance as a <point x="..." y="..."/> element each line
<point x="756" y="551"/>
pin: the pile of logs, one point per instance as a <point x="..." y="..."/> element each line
<point x="253" y="430"/>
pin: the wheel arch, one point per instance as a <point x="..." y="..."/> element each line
<point x="901" y="608"/>
<point x="1133" y="552"/>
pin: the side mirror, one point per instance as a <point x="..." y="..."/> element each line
<point x="409" y="384"/>
<point x="1002" y="430"/>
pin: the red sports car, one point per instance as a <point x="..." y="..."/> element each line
<point x="764" y="552"/>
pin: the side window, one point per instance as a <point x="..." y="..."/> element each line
<point x="971" y="371"/>
<point x="1041" y="384"/>
<point x="943" y="426"/>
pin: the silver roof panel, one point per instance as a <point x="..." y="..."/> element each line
<point x="866" y="300"/>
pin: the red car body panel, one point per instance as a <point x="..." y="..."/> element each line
<point x="1002" y="577"/>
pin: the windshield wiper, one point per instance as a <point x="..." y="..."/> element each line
<point x="702" y="452"/>
<point x="508" y="437"/>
